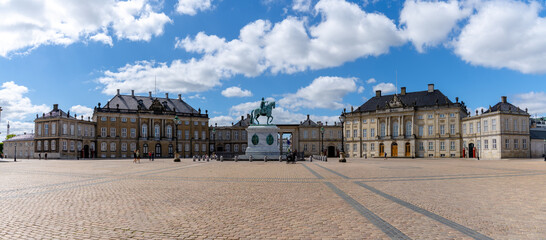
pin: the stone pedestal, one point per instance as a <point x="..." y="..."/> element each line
<point x="262" y="142"/>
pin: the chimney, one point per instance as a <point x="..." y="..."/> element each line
<point x="167" y="95"/>
<point x="378" y="93"/>
<point x="242" y="118"/>
<point x="431" y="87"/>
<point x="503" y="99"/>
<point x="150" y="93"/>
<point x="133" y="93"/>
<point x="179" y="96"/>
<point x="403" y="91"/>
<point x="457" y="99"/>
<point x="118" y="91"/>
<point x="307" y="116"/>
<point x="55" y="107"/>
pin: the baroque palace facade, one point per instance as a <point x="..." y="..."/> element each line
<point x="428" y="124"/>
<point x="408" y="124"/>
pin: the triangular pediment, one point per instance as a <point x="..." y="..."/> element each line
<point x="396" y="102"/>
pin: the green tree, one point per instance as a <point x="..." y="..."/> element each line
<point x="1" y="147"/>
<point x="10" y="136"/>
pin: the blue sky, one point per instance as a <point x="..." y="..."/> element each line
<point x="312" y="57"/>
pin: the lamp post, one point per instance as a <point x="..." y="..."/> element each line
<point x="214" y="140"/>
<point x="342" y="153"/>
<point x="176" y="123"/>
<point x="322" y="140"/>
<point x="15" y="153"/>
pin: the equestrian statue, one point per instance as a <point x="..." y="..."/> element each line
<point x="265" y="110"/>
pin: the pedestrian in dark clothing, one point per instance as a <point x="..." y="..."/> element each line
<point x="153" y="156"/>
<point x="39" y="156"/>
<point x="45" y="156"/>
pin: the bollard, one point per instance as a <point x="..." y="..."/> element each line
<point x="222" y="159"/>
<point x="250" y="158"/>
<point x="280" y="158"/>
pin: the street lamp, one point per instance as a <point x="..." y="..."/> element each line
<point x="15" y="153"/>
<point x="322" y="140"/>
<point x="342" y="153"/>
<point x="214" y="140"/>
<point x="176" y="123"/>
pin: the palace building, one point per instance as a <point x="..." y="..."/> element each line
<point x="428" y="124"/>
<point x="151" y="125"/>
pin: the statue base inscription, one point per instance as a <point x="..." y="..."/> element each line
<point x="262" y="142"/>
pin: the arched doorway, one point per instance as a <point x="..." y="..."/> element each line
<point x="471" y="152"/>
<point x="331" y="151"/>
<point x="158" y="150"/>
<point x="408" y="149"/>
<point x="86" y="151"/>
<point x="394" y="149"/>
<point x="381" y="149"/>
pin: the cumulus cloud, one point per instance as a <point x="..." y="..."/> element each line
<point x="505" y="34"/>
<point x="221" y="121"/>
<point x="17" y="108"/>
<point x="301" y="5"/>
<point x="371" y="80"/>
<point x="535" y="102"/>
<point x="361" y="89"/>
<point x="191" y="7"/>
<point x="82" y="111"/>
<point x="236" y="92"/>
<point x="385" y="88"/>
<point x="323" y="92"/>
<point x="27" y="25"/>
<point x="428" y="23"/>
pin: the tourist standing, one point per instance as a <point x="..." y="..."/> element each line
<point x="138" y="155"/>
<point x="134" y="156"/>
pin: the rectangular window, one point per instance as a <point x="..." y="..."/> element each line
<point x="485" y="126"/>
<point x="420" y="117"/>
<point x="430" y="116"/>
<point x="203" y="135"/>
<point x="187" y="147"/>
<point x="354" y="147"/>
<point x="452" y="145"/>
<point x="196" y="124"/>
<point x="355" y="133"/>
<point x="493" y="124"/>
<point x="72" y="146"/>
<point x="452" y="128"/>
<point x="486" y="144"/>
<point x="112" y="147"/>
<point x="195" y="135"/>
<point x="103" y="132"/>
<point x="133" y="120"/>
<point x="421" y="146"/>
<point x="305" y="134"/>
<point x="515" y="125"/>
<point x="133" y="132"/>
<point x="124" y="120"/>
<point x="53" y="128"/>
<point x="112" y="132"/>
<point x="86" y="130"/>
<point x="479" y="128"/>
<point x="442" y="129"/>
<point x="347" y="133"/>
<point x="314" y="133"/>
<point x="228" y="135"/>
<point x="430" y="130"/>
<point x="123" y="146"/>
<point x="364" y="147"/>
<point x="524" y="143"/>
<point x="72" y="129"/>
<point x="464" y="128"/>
<point x="442" y="115"/>
<point x="46" y="129"/>
<point x="187" y="134"/>
<point x="304" y="147"/>
<point x="506" y="125"/>
<point x="196" y="147"/>
<point x="382" y="129"/>
<point x="372" y="132"/>
<point x="124" y="132"/>
<point x="103" y="119"/>
<point x="452" y="115"/>
<point x="516" y="144"/>
<point x="471" y="128"/>
<point x="112" y="119"/>
<point x="372" y="147"/>
<point x="364" y="121"/>
<point x="365" y="133"/>
<point x="421" y="131"/>
<point x="372" y="120"/>
<point x="430" y="146"/>
<point x="442" y="145"/>
<point x="187" y="123"/>
<point x="39" y="129"/>
<point x="236" y="135"/>
<point x="507" y="143"/>
<point x="65" y="146"/>
<point x="494" y="142"/>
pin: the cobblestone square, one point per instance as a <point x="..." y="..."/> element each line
<point x="360" y="199"/>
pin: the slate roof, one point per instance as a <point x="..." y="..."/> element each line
<point x="130" y="102"/>
<point x="243" y="122"/>
<point x="23" y="137"/>
<point x="308" y="122"/>
<point x="505" y="107"/>
<point x="537" y="133"/>
<point x="413" y="99"/>
<point x="55" y="113"/>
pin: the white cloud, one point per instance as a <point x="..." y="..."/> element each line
<point x="301" y="5"/>
<point x="371" y="80"/>
<point x="81" y="111"/>
<point x="190" y="7"/>
<point x="323" y="92"/>
<point x="16" y="108"/>
<point x="27" y="25"/>
<point x="236" y="92"/>
<point x="535" y="102"/>
<point x="197" y="96"/>
<point x="385" y="88"/>
<point x="202" y="43"/>
<point x="429" y="23"/>
<point x="505" y="34"/>
<point x="221" y="121"/>
<point x="361" y="89"/>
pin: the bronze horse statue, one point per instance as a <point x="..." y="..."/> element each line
<point x="262" y="111"/>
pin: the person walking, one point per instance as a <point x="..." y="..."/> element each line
<point x="149" y="156"/>
<point x="134" y="156"/>
<point x="138" y="155"/>
<point x="153" y="156"/>
<point x="45" y="156"/>
<point x="39" y="156"/>
<point x="385" y="155"/>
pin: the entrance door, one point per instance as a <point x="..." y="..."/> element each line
<point x="471" y="150"/>
<point x="381" y="150"/>
<point x="394" y="150"/>
<point x="331" y="151"/>
<point x="86" y="151"/>
<point x="408" y="151"/>
<point x="158" y="150"/>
